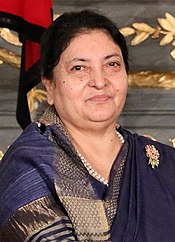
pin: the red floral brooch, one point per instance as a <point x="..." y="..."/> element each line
<point x="153" y="154"/>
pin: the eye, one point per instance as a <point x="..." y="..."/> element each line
<point x="77" y="68"/>
<point x="114" y="63"/>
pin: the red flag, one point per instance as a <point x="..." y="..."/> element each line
<point x="29" y="18"/>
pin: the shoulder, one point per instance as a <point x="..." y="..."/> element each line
<point x="31" y="143"/>
<point x="155" y="168"/>
<point x="164" y="149"/>
<point x="143" y="148"/>
<point x="26" y="170"/>
<point x="33" y="149"/>
<point x="142" y="141"/>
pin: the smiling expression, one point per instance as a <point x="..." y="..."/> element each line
<point x="90" y="81"/>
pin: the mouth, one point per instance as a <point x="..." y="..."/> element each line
<point x="99" y="98"/>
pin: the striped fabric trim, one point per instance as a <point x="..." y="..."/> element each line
<point x="40" y="220"/>
<point x="60" y="229"/>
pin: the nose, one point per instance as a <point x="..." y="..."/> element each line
<point x="98" y="78"/>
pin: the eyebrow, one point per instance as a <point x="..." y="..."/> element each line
<point x="105" y="58"/>
<point x="112" y="55"/>
<point x="79" y="59"/>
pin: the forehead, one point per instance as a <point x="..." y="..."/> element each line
<point x="91" y="42"/>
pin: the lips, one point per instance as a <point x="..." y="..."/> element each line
<point x="99" y="98"/>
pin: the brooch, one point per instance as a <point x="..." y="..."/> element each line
<point x="153" y="154"/>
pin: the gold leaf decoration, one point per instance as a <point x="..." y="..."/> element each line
<point x="140" y="37"/>
<point x="167" y="39"/>
<point x="172" y="141"/>
<point x="170" y="19"/>
<point x="149" y="137"/>
<point x="1" y="155"/>
<point x="143" y="27"/>
<point x="164" y="23"/>
<point x="8" y="36"/>
<point x="152" y="79"/>
<point x="173" y="53"/>
<point x="173" y="43"/>
<point x="35" y="96"/>
<point x="9" y="57"/>
<point x="143" y="31"/>
<point x="156" y="33"/>
<point x="55" y="16"/>
<point x="127" y="31"/>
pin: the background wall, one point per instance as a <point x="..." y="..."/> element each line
<point x="148" y="110"/>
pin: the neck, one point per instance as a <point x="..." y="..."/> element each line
<point x="95" y="129"/>
<point x="93" y="137"/>
<point x="99" y="148"/>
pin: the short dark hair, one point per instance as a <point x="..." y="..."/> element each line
<point x="66" y="27"/>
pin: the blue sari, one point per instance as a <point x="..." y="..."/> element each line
<point x="46" y="194"/>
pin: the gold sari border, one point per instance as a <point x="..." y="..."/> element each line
<point x="33" y="217"/>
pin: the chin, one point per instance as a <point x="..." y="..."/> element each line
<point x="102" y="117"/>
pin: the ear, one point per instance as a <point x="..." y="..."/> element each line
<point x="50" y="86"/>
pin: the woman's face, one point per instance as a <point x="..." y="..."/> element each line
<point x="90" y="81"/>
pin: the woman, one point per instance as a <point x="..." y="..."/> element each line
<point x="76" y="175"/>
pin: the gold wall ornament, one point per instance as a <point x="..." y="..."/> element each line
<point x="35" y="96"/>
<point x="10" y="37"/>
<point x="10" y="58"/>
<point x="172" y="141"/>
<point x="152" y="79"/>
<point x="166" y="30"/>
<point x="149" y="137"/>
<point x="55" y="16"/>
<point x="154" y="139"/>
<point x="1" y="155"/>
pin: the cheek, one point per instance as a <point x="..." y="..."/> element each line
<point x="117" y="76"/>
<point x="121" y="85"/>
<point x="65" y="93"/>
<point x="121" y="92"/>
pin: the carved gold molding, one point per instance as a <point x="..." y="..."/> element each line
<point x="152" y="79"/>
<point x="10" y="58"/>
